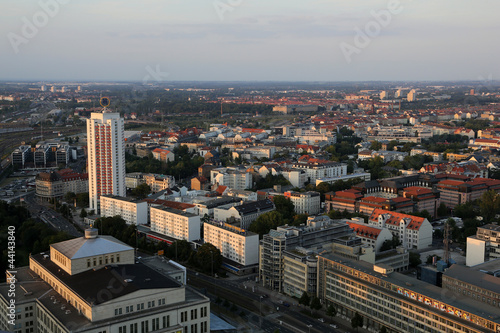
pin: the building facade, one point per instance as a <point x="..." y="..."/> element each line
<point x="106" y="156"/>
<point x="305" y="202"/>
<point x="175" y="223"/>
<point x="234" y="243"/>
<point x="94" y="284"/>
<point x="132" y="211"/>
<point x="413" y="232"/>
<point x="400" y="303"/>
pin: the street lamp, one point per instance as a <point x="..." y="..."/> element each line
<point x="260" y="311"/>
<point x="309" y="327"/>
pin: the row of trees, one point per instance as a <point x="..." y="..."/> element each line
<point x="31" y="236"/>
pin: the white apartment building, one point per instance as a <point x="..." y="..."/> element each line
<point x="175" y="223"/>
<point x="305" y="202"/>
<point x="234" y="243"/>
<point x="231" y="177"/>
<point x="413" y="232"/>
<point x="106" y="156"/>
<point x="321" y="169"/>
<point x="132" y="211"/>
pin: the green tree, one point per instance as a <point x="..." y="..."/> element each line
<point x="266" y="222"/>
<point x="390" y="244"/>
<point x="305" y="299"/>
<point x="376" y="145"/>
<point x="69" y="197"/>
<point x="180" y="250"/>
<point x="208" y="258"/>
<point x="490" y="205"/>
<point x="414" y="259"/>
<point x="356" y="321"/>
<point x="383" y="329"/>
<point x="331" y="311"/>
<point x="442" y="210"/>
<point x="141" y="191"/>
<point x="285" y="207"/>
<point x="315" y="303"/>
<point x="83" y="213"/>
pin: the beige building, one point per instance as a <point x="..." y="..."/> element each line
<point x="398" y="302"/>
<point x="132" y="211"/>
<point x="305" y="202"/>
<point x="234" y="243"/>
<point x="158" y="182"/>
<point x="299" y="272"/>
<point x="93" y="284"/>
<point x="175" y="223"/>
<point x="484" y="246"/>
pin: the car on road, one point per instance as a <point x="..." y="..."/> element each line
<point x="286" y="304"/>
<point x="333" y="325"/>
<point x="321" y="320"/>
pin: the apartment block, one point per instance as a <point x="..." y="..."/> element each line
<point x="175" y="223"/>
<point x="305" y="202"/>
<point x="236" y="244"/>
<point x="343" y="200"/>
<point x="55" y="184"/>
<point x="232" y="178"/>
<point x="245" y="213"/>
<point x="413" y="232"/>
<point x="132" y="211"/>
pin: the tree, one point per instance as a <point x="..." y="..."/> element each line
<point x="489" y="205"/>
<point x="390" y="244"/>
<point x="141" y="191"/>
<point x="284" y="206"/>
<point x="180" y="250"/>
<point x="315" y="303"/>
<point x="356" y="321"/>
<point x="208" y="258"/>
<point x="266" y="222"/>
<point x="376" y="145"/>
<point x="305" y="299"/>
<point x="331" y="310"/>
<point x="442" y="210"/>
<point x="414" y="259"/>
<point x="83" y="213"/>
<point x="383" y="329"/>
<point x="70" y="197"/>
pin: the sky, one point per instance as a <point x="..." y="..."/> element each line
<point x="249" y="40"/>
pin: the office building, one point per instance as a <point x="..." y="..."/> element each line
<point x="318" y="233"/>
<point x="243" y="214"/>
<point x="398" y="302"/>
<point x="106" y="156"/>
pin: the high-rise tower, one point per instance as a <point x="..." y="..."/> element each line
<point x="106" y="155"/>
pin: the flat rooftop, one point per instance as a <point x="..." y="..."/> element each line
<point x="443" y="295"/>
<point x="88" y="284"/>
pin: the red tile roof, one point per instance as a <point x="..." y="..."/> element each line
<point x="395" y="218"/>
<point x="364" y="230"/>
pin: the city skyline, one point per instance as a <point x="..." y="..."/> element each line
<point x="226" y="40"/>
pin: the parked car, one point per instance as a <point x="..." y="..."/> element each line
<point x="321" y="320"/>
